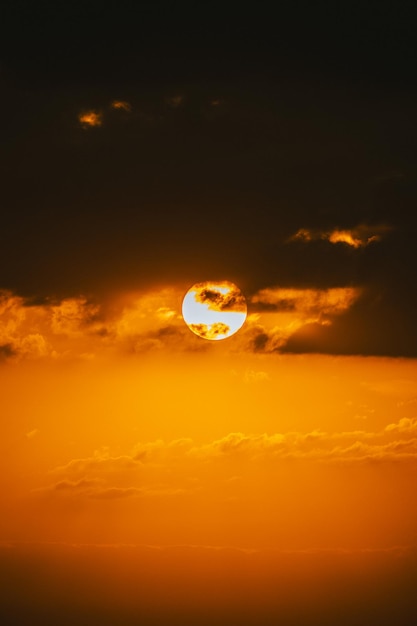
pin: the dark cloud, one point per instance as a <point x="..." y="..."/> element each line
<point x="211" y="331"/>
<point x="233" y="300"/>
<point x="260" y="341"/>
<point x="7" y="350"/>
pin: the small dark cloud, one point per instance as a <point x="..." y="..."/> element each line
<point x="7" y="350"/>
<point x="377" y="324"/>
<point x="121" y="105"/>
<point x="233" y="300"/>
<point x="283" y="305"/>
<point x="210" y="332"/>
<point x="260" y="341"/>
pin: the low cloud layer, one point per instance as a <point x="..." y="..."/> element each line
<point x="317" y="445"/>
<point x="220" y="488"/>
<point x="333" y="321"/>
<point x="148" y="470"/>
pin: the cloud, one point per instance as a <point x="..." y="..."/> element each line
<point x="143" y="473"/>
<point x="405" y="425"/>
<point x="121" y="105"/>
<point x="113" y="493"/>
<point x="306" y="302"/>
<point x="90" y="119"/>
<point x="154" y="451"/>
<point x="7" y="350"/>
<point x="79" y="486"/>
<point x="376" y="324"/>
<point x="40" y="330"/>
<point x="220" y="297"/>
<point x="73" y="316"/>
<point x="154" y="459"/>
<point x="96" y="489"/>
<point x="76" y="327"/>
<point x="337" y="320"/>
<point x="278" y="314"/>
<point x="358" y="237"/>
<point x="101" y="463"/>
<point x="212" y="331"/>
<point x="338" y="447"/>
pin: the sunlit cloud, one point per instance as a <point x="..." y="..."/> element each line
<point x="44" y="330"/>
<point x="358" y="237"/>
<point x="97" y="490"/>
<point x="90" y="119"/>
<point x="121" y="105"/>
<point x="153" y="322"/>
<point x="395" y="442"/>
<point x="73" y="315"/>
<point x="349" y="237"/>
<point x="277" y="313"/>
<point x="405" y="425"/>
<point x="306" y="302"/>
<point x="99" y="464"/>
<point x="76" y="327"/>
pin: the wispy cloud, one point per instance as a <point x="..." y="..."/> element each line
<point x="309" y="303"/>
<point x="121" y="105"/>
<point x="358" y="237"/>
<point x="277" y="313"/>
<point x="147" y="470"/>
<point x="38" y="331"/>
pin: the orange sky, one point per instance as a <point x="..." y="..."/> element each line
<point x="123" y="428"/>
<point x="149" y="477"/>
<point x="125" y="407"/>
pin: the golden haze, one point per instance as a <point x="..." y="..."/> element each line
<point x="203" y="457"/>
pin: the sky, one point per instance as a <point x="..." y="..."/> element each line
<point x="149" y="475"/>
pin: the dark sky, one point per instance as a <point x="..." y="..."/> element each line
<point x="247" y="124"/>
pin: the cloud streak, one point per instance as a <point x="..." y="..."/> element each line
<point x="357" y="237"/>
<point x="160" y="468"/>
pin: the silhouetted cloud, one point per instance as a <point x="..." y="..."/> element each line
<point x="211" y="331"/>
<point x="232" y="300"/>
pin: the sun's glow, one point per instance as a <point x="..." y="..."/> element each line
<point x="137" y="454"/>
<point x="214" y="310"/>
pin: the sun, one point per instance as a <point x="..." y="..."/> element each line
<point x="214" y="310"/>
